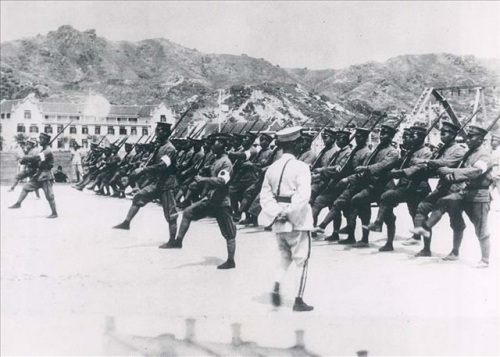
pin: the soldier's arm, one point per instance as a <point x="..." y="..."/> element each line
<point x="451" y="158"/>
<point x="223" y="175"/>
<point x="416" y="167"/>
<point x="267" y="200"/>
<point x="167" y="158"/>
<point x="388" y="161"/>
<point x="480" y="166"/>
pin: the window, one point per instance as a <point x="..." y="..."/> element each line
<point x="132" y="120"/>
<point x="163" y="118"/>
<point x="111" y="130"/>
<point x="8" y="116"/>
<point x="85" y="143"/>
<point x="123" y="130"/>
<point x="144" y="130"/>
<point x="60" y="128"/>
<point x="21" y="128"/>
<point x="3" y="116"/>
<point x="48" y="129"/>
<point x="0" y="128"/>
<point x="60" y="143"/>
<point x="97" y="130"/>
<point x="72" y="129"/>
<point x="85" y="129"/>
<point x="46" y="117"/>
<point x="74" y="117"/>
<point x="27" y="114"/>
<point x="33" y="129"/>
<point x="133" y="131"/>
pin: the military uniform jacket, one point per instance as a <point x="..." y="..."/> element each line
<point x="450" y="157"/>
<point x="409" y="161"/>
<point x="164" y="166"/>
<point x="292" y="198"/>
<point x="45" y="160"/>
<point x="338" y="160"/>
<point x="495" y="161"/>
<point x="216" y="186"/>
<point x="309" y="157"/>
<point x="383" y="159"/>
<point x="241" y="172"/>
<point x="476" y="170"/>
<point x="325" y="157"/>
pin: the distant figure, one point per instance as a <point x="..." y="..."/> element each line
<point x="76" y="163"/>
<point x="59" y="175"/>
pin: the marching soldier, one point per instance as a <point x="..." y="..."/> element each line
<point x="259" y="164"/>
<point x="358" y="157"/>
<point x="243" y="176"/>
<point x="285" y="195"/>
<point x="163" y="184"/>
<point x="410" y="191"/>
<point x="473" y="199"/>
<point x="307" y="154"/>
<point x="30" y="168"/>
<point x="214" y="202"/>
<point x="448" y="155"/>
<point x="43" y="178"/>
<point x="495" y="160"/>
<point x="324" y="175"/>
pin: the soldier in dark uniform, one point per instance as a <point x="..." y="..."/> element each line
<point x="258" y="165"/>
<point x="243" y="175"/>
<point x="163" y="184"/>
<point x="359" y="156"/>
<point x="307" y="155"/>
<point x="322" y="176"/>
<point x="369" y="181"/>
<point x="214" y="202"/>
<point x="29" y="169"/>
<point x="474" y="170"/>
<point x="410" y="191"/>
<point x="43" y="178"/>
<point x="449" y="155"/>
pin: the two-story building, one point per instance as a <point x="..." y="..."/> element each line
<point x="30" y="116"/>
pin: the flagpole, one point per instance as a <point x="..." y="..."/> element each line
<point x="220" y="108"/>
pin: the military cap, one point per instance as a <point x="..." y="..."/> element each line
<point x="390" y="125"/>
<point x="250" y="135"/>
<point x="93" y="145"/>
<point x="307" y="136"/>
<point x="31" y="141"/>
<point x="289" y="134"/>
<point x="343" y="132"/>
<point x="221" y="136"/>
<point x="114" y="147"/>
<point x="419" y="126"/>
<point x="450" y="125"/>
<point x="236" y="136"/>
<point x="128" y="145"/>
<point x="163" y="125"/>
<point x="46" y="136"/>
<point x="477" y="130"/>
<point x="196" y="141"/>
<point x="363" y="130"/>
<point x="329" y="131"/>
<point x="267" y="136"/>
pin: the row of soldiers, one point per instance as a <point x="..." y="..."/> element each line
<point x="347" y="179"/>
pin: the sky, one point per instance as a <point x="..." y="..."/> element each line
<point x="316" y="35"/>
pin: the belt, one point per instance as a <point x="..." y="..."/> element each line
<point x="284" y="199"/>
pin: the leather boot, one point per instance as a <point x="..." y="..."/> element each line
<point x="301" y="306"/>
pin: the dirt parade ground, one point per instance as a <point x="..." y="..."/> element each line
<point x="61" y="278"/>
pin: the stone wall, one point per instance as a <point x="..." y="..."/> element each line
<point x="9" y="164"/>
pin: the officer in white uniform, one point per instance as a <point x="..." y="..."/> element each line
<point x="284" y="197"/>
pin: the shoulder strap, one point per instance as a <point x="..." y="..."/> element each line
<point x="281" y="177"/>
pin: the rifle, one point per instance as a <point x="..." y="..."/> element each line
<point x="199" y="131"/>
<point x="262" y="127"/>
<point x="441" y="150"/>
<point x="223" y="127"/>
<point x="434" y="123"/>
<point x="59" y="133"/>
<point x="182" y="117"/>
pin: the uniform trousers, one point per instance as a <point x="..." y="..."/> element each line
<point x="166" y="196"/>
<point x="205" y="208"/>
<point x="294" y="247"/>
<point x="46" y="186"/>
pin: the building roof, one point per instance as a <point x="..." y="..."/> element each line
<point x="61" y="108"/>
<point x="7" y="105"/>
<point x="124" y="110"/>
<point x="146" y="111"/>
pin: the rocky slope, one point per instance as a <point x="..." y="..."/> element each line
<point x="65" y="63"/>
